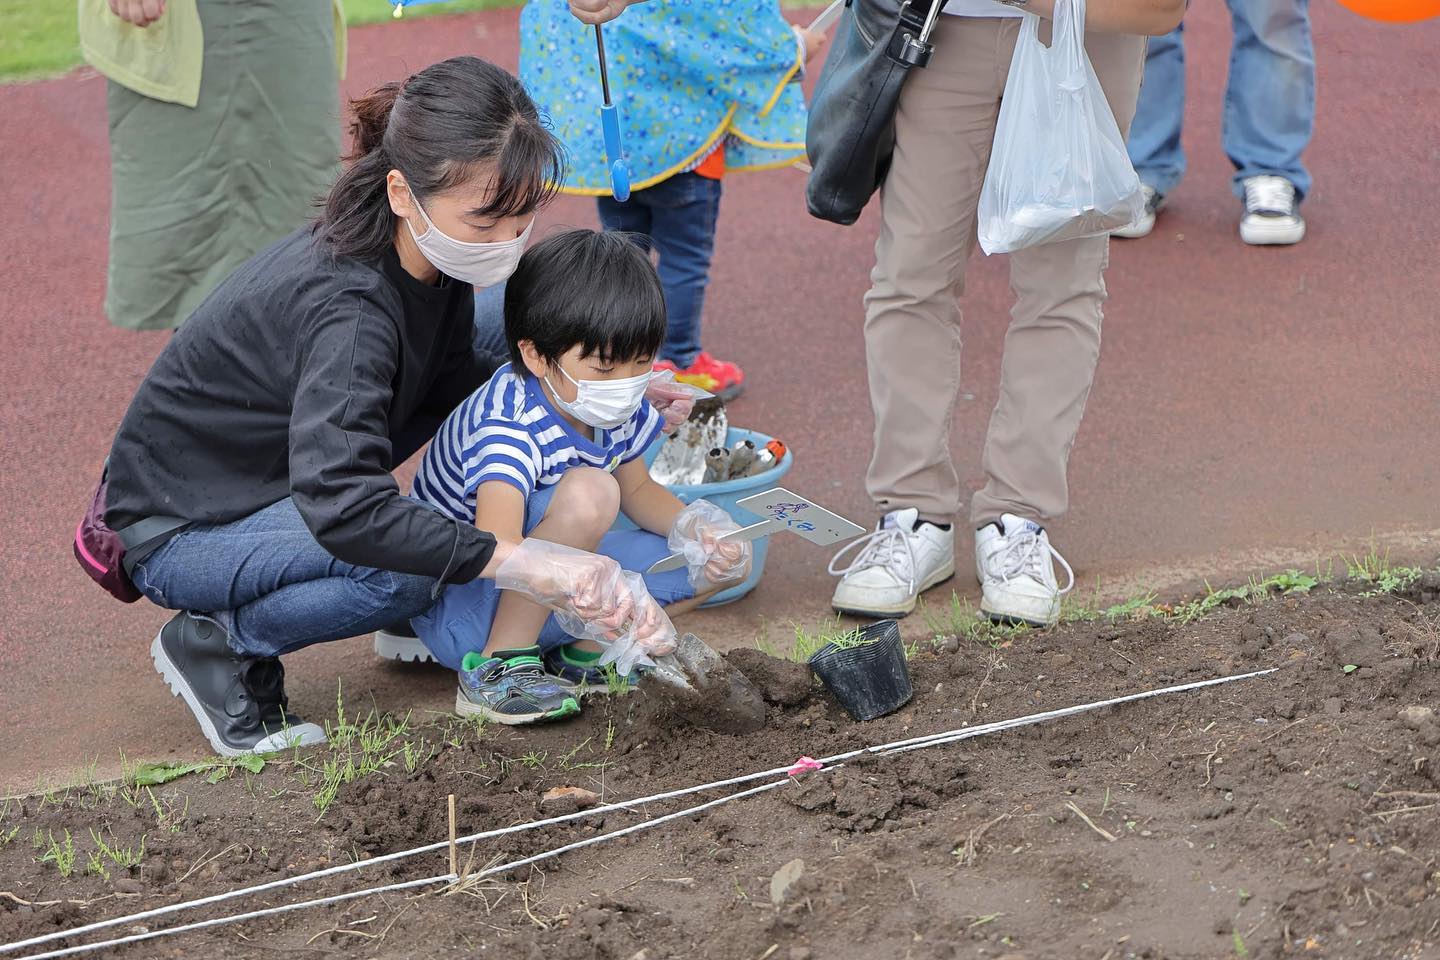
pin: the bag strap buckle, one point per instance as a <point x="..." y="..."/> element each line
<point x="911" y="45"/>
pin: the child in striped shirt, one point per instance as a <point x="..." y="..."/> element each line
<point x="552" y="448"/>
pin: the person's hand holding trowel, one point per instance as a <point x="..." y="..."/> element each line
<point x="593" y="598"/>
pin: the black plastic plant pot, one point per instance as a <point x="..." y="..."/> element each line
<point x="869" y="678"/>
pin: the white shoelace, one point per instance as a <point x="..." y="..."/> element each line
<point x="1025" y="554"/>
<point x="1267" y="194"/>
<point x="883" y="548"/>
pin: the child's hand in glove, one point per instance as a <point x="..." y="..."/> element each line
<point x="584" y="586"/>
<point x="697" y="533"/>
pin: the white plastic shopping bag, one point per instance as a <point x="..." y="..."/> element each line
<point x="1058" y="167"/>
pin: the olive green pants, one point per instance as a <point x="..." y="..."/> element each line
<point x="196" y="192"/>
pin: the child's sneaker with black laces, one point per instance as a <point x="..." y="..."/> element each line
<point x="580" y="670"/>
<point x="512" y="687"/>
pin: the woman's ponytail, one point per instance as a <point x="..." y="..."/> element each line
<point x="372" y="117"/>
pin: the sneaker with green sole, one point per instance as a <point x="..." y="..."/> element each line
<point x="512" y="687"/>
<point x="580" y="671"/>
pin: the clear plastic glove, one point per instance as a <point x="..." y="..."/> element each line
<point x="648" y="633"/>
<point x="711" y="561"/>
<point x="582" y="588"/>
<point x="674" y="401"/>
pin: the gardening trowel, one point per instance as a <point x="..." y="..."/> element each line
<point x="733" y="702"/>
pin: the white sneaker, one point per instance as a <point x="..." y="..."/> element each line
<point x="1270" y="214"/>
<point x="1017" y="577"/>
<point x="1142" y="226"/>
<point x="895" y="565"/>
<point x="392" y="645"/>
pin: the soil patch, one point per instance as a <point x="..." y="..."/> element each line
<point x="1293" y="814"/>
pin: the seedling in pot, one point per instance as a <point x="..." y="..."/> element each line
<point x="867" y="674"/>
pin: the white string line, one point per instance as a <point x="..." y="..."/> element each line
<point x="626" y="806"/>
<point x="948" y="736"/>
<point x="963" y="733"/>
<point x="444" y="878"/>
<point x="218" y="921"/>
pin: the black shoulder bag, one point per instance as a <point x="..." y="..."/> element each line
<point x="850" y="135"/>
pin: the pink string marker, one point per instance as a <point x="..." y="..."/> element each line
<point x="804" y="765"/>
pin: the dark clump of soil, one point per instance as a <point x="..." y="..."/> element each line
<point x="1292" y="814"/>
<point x="780" y="682"/>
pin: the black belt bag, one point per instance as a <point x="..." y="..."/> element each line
<point x="850" y="135"/>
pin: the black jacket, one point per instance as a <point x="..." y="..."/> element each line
<point x="308" y="376"/>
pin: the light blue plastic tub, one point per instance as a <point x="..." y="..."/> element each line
<point x="726" y="496"/>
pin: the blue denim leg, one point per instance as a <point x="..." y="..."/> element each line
<point x="273" y="587"/>
<point x="632" y="216"/>
<point x="1159" y="114"/>
<point x="490" y="325"/>
<point x="1270" y="96"/>
<point x="679" y="216"/>
<point x="460" y="622"/>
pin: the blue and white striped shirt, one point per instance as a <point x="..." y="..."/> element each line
<point x="508" y="431"/>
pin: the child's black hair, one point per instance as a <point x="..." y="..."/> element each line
<point x="597" y="290"/>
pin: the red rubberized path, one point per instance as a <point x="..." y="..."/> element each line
<point x="1254" y="408"/>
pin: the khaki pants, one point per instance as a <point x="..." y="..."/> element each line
<point x="944" y="128"/>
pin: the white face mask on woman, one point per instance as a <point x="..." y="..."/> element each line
<point x="603" y="403"/>
<point x="478" y="264"/>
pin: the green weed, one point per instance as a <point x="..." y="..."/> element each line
<point x="358" y="747"/>
<point x="167" y="816"/>
<point x="809" y="642"/>
<point x="59" y="852"/>
<point x="416" y="753"/>
<point x="958" y="619"/>
<point x="615" y="684"/>
<point x="123" y="857"/>
<point x="1375" y="568"/>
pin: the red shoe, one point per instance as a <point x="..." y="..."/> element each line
<point x="724" y="379"/>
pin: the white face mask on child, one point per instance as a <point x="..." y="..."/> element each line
<point x="478" y="264"/>
<point x="603" y="403"/>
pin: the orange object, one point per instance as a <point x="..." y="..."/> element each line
<point x="713" y="166"/>
<point x="777" y="448"/>
<point x="1394" y="11"/>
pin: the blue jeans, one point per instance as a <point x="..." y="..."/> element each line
<point x="490" y="324"/>
<point x="460" y="622"/>
<point x="272" y="587"/>
<point x="678" y="217"/>
<point x="1269" y="98"/>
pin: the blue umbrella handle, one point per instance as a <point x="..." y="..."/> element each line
<point x="614" y="154"/>
<point x="610" y="127"/>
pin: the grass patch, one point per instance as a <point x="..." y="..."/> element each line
<point x="959" y="620"/>
<point x="371" y="744"/>
<point x="808" y="642"/>
<point x="41" y="37"/>
<point x="61" y="853"/>
<point x="1375" y="568"/>
<point x="109" y="853"/>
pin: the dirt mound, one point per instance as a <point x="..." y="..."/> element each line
<point x="1295" y="814"/>
<point x="780" y="682"/>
